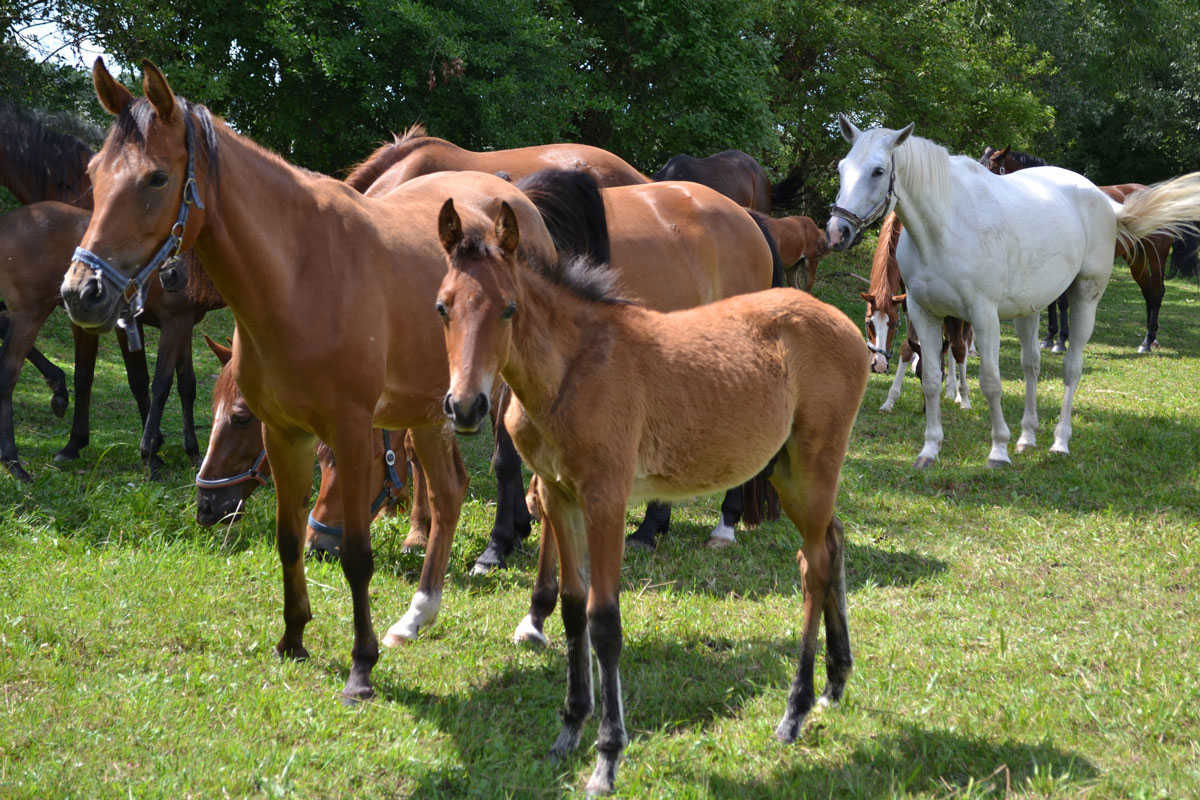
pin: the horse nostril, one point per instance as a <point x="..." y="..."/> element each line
<point x="93" y="290"/>
<point x="479" y="408"/>
<point x="448" y="406"/>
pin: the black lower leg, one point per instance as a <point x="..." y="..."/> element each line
<point x="604" y="625"/>
<point x="578" y="705"/>
<point x="512" y="517"/>
<point x="732" y="506"/>
<point x="656" y="521"/>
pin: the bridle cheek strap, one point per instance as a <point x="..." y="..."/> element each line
<point x="133" y="288"/>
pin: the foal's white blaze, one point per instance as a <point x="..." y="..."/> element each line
<point x="422" y="611"/>
<point x="880" y="322"/>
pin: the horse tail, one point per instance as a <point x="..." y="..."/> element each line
<point x="784" y="192"/>
<point x="200" y="289"/>
<point x="1170" y="207"/>
<point x="760" y="502"/>
<point x="777" y="276"/>
<point x="573" y="209"/>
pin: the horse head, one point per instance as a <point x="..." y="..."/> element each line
<point x="881" y="322"/>
<point x="995" y="160"/>
<point x="235" y="463"/>
<point x="867" y="181"/>
<point x="477" y="302"/>
<point x="147" y="196"/>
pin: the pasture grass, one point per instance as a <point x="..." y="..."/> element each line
<point x="1029" y="632"/>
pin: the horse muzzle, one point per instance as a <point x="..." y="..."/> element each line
<point x="841" y="234"/>
<point x="219" y="505"/>
<point x="879" y="363"/>
<point x="468" y="415"/>
<point x="90" y="302"/>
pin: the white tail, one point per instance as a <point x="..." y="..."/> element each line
<point x="1171" y="207"/>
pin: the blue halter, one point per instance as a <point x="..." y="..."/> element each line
<point x="133" y="289"/>
<point x="393" y="484"/>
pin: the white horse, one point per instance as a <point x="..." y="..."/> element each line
<point x="986" y="248"/>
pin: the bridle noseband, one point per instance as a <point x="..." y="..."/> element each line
<point x="875" y="214"/>
<point x="393" y="485"/>
<point x="255" y="473"/>
<point x="133" y="289"/>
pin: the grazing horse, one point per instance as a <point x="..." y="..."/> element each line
<point x="734" y="174"/>
<point x="235" y="464"/>
<point x="1147" y="258"/>
<point x="885" y="298"/>
<point x="332" y="292"/>
<point x="986" y="248"/>
<point x="414" y="153"/>
<point x="801" y="245"/>
<point x="613" y="403"/>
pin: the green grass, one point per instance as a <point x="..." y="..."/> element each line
<point x="1027" y="632"/>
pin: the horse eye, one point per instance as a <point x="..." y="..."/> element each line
<point x="241" y="419"/>
<point x="158" y="179"/>
<point x="509" y="310"/>
<point x="877" y="172"/>
<point x="441" y="309"/>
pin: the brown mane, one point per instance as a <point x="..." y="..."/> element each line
<point x="367" y="171"/>
<point x="885" y="272"/>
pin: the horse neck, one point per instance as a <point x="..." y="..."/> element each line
<point x="262" y="225"/>
<point x="550" y="330"/>
<point x="924" y="191"/>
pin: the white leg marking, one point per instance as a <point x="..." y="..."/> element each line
<point x="721" y="536"/>
<point x="422" y="611"/>
<point x="527" y="633"/>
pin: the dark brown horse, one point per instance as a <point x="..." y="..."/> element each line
<point x="1147" y="259"/>
<point x="615" y="403"/>
<point x="39" y="163"/>
<point x="235" y="464"/>
<point x="332" y="292"/>
<point x="734" y="174"/>
<point x="415" y="153"/>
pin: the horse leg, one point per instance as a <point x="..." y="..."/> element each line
<point x="353" y="450"/>
<point x="987" y="334"/>
<point x="952" y="373"/>
<point x="928" y="329"/>
<point x="291" y="457"/>
<point x="512" y="518"/>
<point x="1051" y="325"/>
<point x="656" y="521"/>
<point x="906" y="359"/>
<point x="563" y="520"/>
<point x="1064" y="327"/>
<point x="23" y="330"/>
<point x="185" y="378"/>
<point x="807" y="484"/>
<point x="1085" y="295"/>
<point x="419" y="518"/>
<point x="137" y="374"/>
<point x="170" y="344"/>
<point x="958" y="347"/>
<point x="1147" y="269"/>
<point x="544" y="595"/>
<point x="86" y="345"/>
<point x="1031" y="363"/>
<point x="731" y="511"/>
<point x="447" y="480"/>
<point x="605" y="519"/>
<point x="55" y="378"/>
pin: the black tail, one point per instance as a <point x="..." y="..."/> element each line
<point x="784" y="192"/>
<point x="760" y="502"/>
<point x="777" y="276"/>
<point x="573" y="210"/>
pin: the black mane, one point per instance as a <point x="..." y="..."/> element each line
<point x="1027" y="160"/>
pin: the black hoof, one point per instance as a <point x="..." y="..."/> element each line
<point x="18" y="472"/>
<point x="155" y="468"/>
<point x="68" y="453"/>
<point x="59" y="403"/>
<point x="291" y="652"/>
<point x="639" y="540"/>
<point x="490" y="559"/>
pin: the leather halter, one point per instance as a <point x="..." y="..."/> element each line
<point x="887" y="354"/>
<point x="393" y="485"/>
<point x="133" y="288"/>
<point x="255" y="473"/>
<point x="875" y="214"/>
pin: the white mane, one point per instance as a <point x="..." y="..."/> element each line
<point x="925" y="165"/>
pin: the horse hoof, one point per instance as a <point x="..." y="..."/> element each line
<point x="924" y="461"/>
<point x="1058" y="347"/>
<point x="886" y="408"/>
<point x="719" y="543"/>
<point x="1024" y="447"/>
<point x="63" y="456"/>
<point x="490" y="560"/>
<point x="527" y="633"/>
<point x="353" y="697"/>
<point x="18" y="471"/>
<point x="995" y="463"/>
<point x="58" y="404"/>
<point x="395" y="640"/>
<point x="291" y="652"/>
<point x="635" y="542"/>
<point x="788" y="729"/>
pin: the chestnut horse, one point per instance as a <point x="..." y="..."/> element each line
<point x="414" y="153"/>
<point x="1147" y="258"/>
<point x="613" y="403"/>
<point x="885" y="299"/>
<point x="332" y="292"/>
<point x="736" y="175"/>
<point x="801" y="245"/>
<point x="235" y="464"/>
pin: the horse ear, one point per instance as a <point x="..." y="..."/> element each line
<point x="849" y="132"/>
<point x="903" y="134"/>
<point x="1003" y="152"/>
<point x="112" y="95"/>
<point x="899" y="298"/>
<point x="506" y="229"/>
<point x="449" y="226"/>
<point x="222" y="352"/>
<point x="865" y="296"/>
<point x="155" y="87"/>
